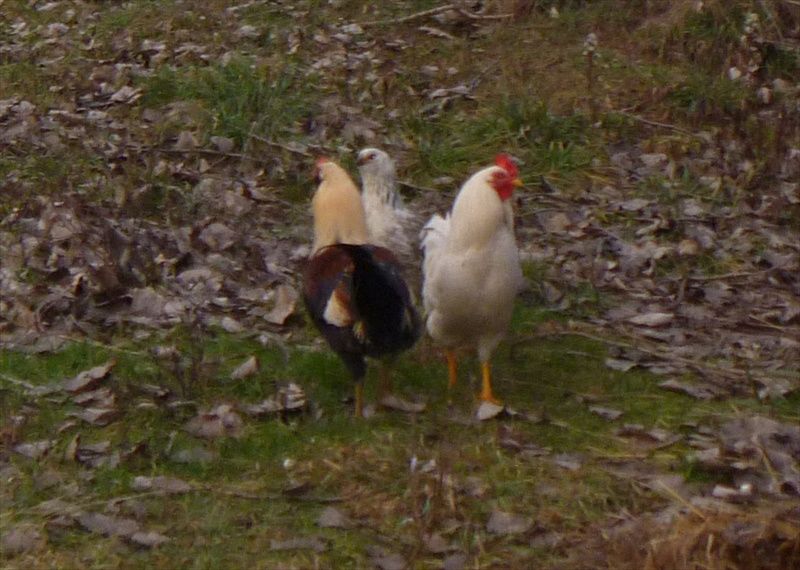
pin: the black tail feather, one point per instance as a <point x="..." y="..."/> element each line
<point x="383" y="301"/>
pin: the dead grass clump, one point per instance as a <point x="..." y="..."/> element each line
<point x="727" y="538"/>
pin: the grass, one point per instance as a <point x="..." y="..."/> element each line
<point x="559" y="147"/>
<point x="25" y="80"/>
<point x="240" y="98"/>
<point x="531" y="101"/>
<point x="699" y="96"/>
<point x="365" y="462"/>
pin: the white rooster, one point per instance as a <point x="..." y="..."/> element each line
<point x="389" y="223"/>
<point x="471" y="269"/>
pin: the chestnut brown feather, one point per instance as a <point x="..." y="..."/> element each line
<point x="354" y="291"/>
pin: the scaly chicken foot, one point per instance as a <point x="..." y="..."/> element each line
<point x="486" y="385"/>
<point x="452" y="368"/>
<point x="359" y="397"/>
<point x="385" y="387"/>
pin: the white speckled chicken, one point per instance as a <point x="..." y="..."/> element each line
<point x="471" y="269"/>
<point x="389" y="222"/>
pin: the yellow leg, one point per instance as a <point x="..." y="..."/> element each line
<point x="486" y="384"/>
<point x="384" y="381"/>
<point x="359" y="412"/>
<point x="452" y="368"/>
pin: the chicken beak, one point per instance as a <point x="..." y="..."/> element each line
<point x="518" y="183"/>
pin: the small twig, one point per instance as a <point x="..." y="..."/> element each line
<point x="267" y="496"/>
<point x="600" y="453"/>
<point x="124" y="498"/>
<point x="772" y="18"/>
<point x="16" y="381"/>
<point x="282" y="146"/>
<point x="726" y="276"/>
<point x="590" y="45"/>
<point x="699" y="367"/>
<point x="472" y="16"/>
<point x="206" y="151"/>
<point x="543" y="211"/>
<point x="767" y="324"/>
<point x="436" y="32"/>
<point x="658" y="124"/>
<point x="416" y="187"/>
<point x="294" y="150"/>
<point x="99" y="344"/>
<point x="241" y="494"/>
<point x="675" y="495"/>
<point x="410" y="17"/>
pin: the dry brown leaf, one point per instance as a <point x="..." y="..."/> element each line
<point x="35" y="449"/>
<point x="556" y="223"/>
<point x="198" y="455"/>
<point x="231" y="325"/>
<point x="620" y="364"/>
<point x="219" y="422"/>
<point x="19" y="539"/>
<point x="457" y="561"/>
<point x="654" y="438"/>
<point x="186" y="141"/>
<point x="698" y="391"/>
<point x="107" y="525"/>
<point x="97" y="416"/>
<point x="218" y="237"/>
<point x="284" y="301"/>
<point x="71" y="451"/>
<point x="149" y="539"/>
<point x="437" y="544"/>
<point x="394" y="402"/>
<point x="568" y="461"/>
<point x="246" y="369"/>
<point x="654" y="319"/>
<point x="503" y="523"/>
<point x="97" y="455"/>
<point x="488" y="411"/>
<point x="169" y="485"/>
<point x="290" y="398"/>
<point x="635" y="204"/>
<point x="384" y="559"/>
<point x="688" y="248"/>
<point x="100" y="398"/>
<point x="606" y="413"/>
<point x="222" y="144"/>
<point x="314" y="543"/>
<point x="331" y="517"/>
<point x="89" y="379"/>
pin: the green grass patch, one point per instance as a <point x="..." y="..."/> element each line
<point x="365" y="463"/>
<point x="239" y="98"/>
<point x="700" y="96"/>
<point x="27" y="81"/>
<point x="547" y="144"/>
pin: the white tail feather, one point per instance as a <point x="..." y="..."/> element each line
<point x="432" y="238"/>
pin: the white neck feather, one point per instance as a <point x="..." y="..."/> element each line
<point x="378" y="186"/>
<point x="478" y="212"/>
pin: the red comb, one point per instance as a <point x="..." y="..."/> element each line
<point x="505" y="162"/>
<point x="322" y="160"/>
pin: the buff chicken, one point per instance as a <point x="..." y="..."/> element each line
<point x="353" y="289"/>
<point x="471" y="269"/>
